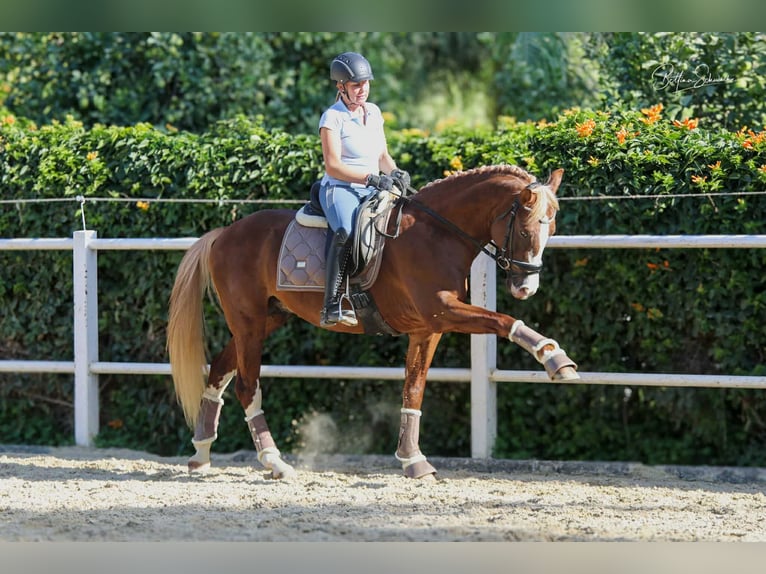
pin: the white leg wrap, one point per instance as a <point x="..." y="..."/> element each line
<point x="406" y="462"/>
<point x="200" y="462"/>
<point x="271" y="459"/>
<point x="252" y="415"/>
<point x="268" y="455"/>
<point x="205" y="441"/>
<point x="213" y="396"/>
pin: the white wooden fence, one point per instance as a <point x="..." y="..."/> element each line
<point x="482" y="373"/>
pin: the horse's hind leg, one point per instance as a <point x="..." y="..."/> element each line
<point x="248" y="389"/>
<point x="419" y="355"/>
<point x="222" y="370"/>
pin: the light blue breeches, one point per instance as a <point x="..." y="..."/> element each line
<point x="340" y="204"/>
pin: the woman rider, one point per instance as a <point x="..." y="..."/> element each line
<point x="357" y="164"/>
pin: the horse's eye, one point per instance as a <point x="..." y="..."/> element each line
<point x="524" y="234"/>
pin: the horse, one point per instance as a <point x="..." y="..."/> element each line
<point x="421" y="291"/>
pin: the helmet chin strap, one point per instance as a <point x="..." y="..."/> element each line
<point x="346" y="100"/>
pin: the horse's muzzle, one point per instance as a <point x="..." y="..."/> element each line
<point x="522" y="286"/>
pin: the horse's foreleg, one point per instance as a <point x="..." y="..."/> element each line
<point x="222" y="371"/>
<point x="466" y="318"/>
<point x="547" y="352"/>
<point x="419" y="355"/>
<point x="414" y="463"/>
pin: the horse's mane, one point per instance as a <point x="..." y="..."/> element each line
<point x="538" y="210"/>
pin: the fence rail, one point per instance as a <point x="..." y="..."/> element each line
<point x="482" y="373"/>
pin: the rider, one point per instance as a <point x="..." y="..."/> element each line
<point x="357" y="164"/>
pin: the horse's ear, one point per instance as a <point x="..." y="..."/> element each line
<point x="555" y="179"/>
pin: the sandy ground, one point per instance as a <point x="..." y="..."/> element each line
<point x="75" y="494"/>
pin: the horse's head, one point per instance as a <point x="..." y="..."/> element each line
<point x="522" y="233"/>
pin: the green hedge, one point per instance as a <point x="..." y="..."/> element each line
<point x="684" y="311"/>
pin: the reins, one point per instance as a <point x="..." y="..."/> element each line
<point x="502" y="255"/>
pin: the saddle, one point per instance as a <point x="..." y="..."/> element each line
<point x="302" y="254"/>
<point x="301" y="265"/>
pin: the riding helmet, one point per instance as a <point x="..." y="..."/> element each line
<point x="350" y="67"/>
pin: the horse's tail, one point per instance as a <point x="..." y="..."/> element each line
<point x="186" y="325"/>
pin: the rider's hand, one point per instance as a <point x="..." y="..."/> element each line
<point x="401" y="179"/>
<point x="380" y="182"/>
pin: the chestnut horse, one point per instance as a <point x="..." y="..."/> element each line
<point x="421" y="291"/>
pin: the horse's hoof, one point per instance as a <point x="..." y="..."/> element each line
<point x="566" y="374"/>
<point x="428" y="477"/>
<point x="283" y="471"/>
<point x="198" y="467"/>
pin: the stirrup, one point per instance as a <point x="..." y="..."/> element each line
<point x="333" y="314"/>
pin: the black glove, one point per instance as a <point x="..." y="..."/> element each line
<point x="401" y="179"/>
<point x="380" y="182"/>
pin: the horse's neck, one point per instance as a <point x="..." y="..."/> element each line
<point x="471" y="207"/>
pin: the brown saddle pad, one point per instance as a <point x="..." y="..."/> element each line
<point x="302" y="260"/>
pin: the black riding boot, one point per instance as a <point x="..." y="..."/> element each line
<point x="336" y="263"/>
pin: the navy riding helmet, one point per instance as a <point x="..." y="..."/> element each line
<point x="350" y="67"/>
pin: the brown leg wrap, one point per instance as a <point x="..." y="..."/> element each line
<point x="533" y="342"/>
<point x="260" y="432"/>
<point x="409" y="435"/>
<point x="207" y="423"/>
<point x="414" y="463"/>
<point x="556" y="361"/>
<point x="419" y="469"/>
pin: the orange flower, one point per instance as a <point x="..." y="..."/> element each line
<point x="586" y="128"/>
<point x="763" y="168"/>
<point x="715" y="166"/>
<point x="594" y="161"/>
<point x="653" y="266"/>
<point x="652" y="114"/>
<point x="10" y="120"/>
<point x="699" y="179"/>
<point x="752" y="139"/>
<point x="456" y="163"/>
<point x="142" y="205"/>
<point x="92" y="155"/>
<point x="688" y="123"/>
<point x="115" y="423"/>
<point x="622" y="135"/>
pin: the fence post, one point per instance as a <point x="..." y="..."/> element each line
<point x="85" y="279"/>
<point x="483" y="362"/>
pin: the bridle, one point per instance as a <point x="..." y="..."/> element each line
<point x="503" y="255"/>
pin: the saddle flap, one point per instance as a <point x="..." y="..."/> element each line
<point x="301" y="265"/>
